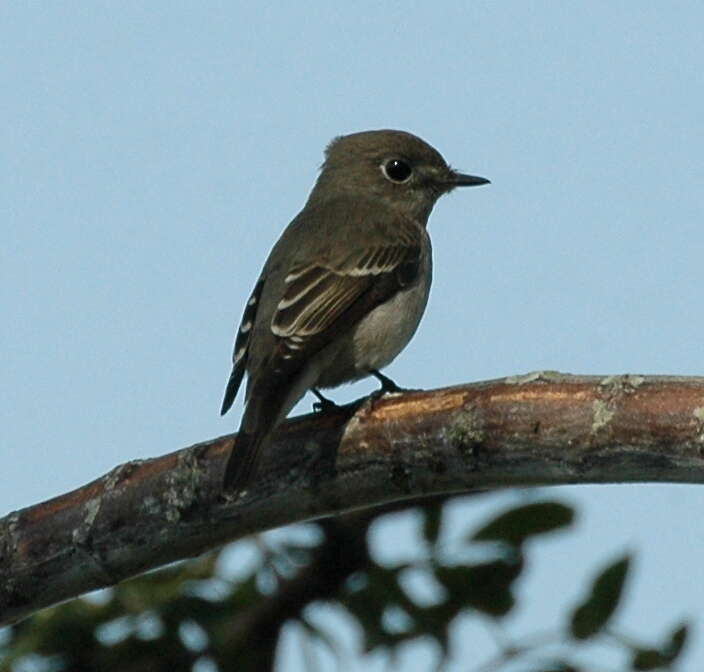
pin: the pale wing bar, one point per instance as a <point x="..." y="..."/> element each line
<point x="315" y="295"/>
<point x="239" y="355"/>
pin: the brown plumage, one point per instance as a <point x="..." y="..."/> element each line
<point x="344" y="288"/>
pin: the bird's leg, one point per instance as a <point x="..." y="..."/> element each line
<point x="387" y="385"/>
<point x="323" y="404"/>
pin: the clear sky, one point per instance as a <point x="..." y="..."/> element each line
<point x="152" y="152"/>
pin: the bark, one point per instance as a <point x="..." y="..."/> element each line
<point x="539" y="429"/>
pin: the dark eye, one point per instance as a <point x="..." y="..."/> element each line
<point x="396" y="170"/>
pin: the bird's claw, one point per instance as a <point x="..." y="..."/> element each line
<point x="387" y="385"/>
<point x="323" y="404"/>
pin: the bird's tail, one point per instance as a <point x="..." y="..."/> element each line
<point x="244" y="459"/>
<point x="264" y="410"/>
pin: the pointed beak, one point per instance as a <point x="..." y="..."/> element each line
<point x="462" y="180"/>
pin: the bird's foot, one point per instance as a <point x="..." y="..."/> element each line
<point x="323" y="404"/>
<point x="387" y="385"/>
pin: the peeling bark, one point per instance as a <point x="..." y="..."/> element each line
<point x="543" y="428"/>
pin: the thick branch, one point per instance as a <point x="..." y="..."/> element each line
<point x="539" y="429"/>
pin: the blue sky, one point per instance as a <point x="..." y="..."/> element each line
<point x="152" y="153"/>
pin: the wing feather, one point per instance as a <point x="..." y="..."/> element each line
<point x="309" y="311"/>
<point x="241" y="351"/>
<point x="317" y="297"/>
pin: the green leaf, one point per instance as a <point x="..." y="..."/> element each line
<point x="653" y="659"/>
<point x="593" y="614"/>
<point x="485" y="587"/>
<point x="678" y="638"/>
<point x="515" y="526"/>
<point x="647" y="659"/>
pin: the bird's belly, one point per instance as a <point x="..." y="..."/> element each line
<point x="382" y="334"/>
<point x="379" y="337"/>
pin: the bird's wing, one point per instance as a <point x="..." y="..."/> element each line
<point x="320" y="299"/>
<point x="319" y="302"/>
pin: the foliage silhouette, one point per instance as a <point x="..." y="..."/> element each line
<point x="185" y="616"/>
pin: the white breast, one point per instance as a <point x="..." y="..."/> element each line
<point x="381" y="335"/>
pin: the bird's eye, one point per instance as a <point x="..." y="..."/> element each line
<point x="396" y="170"/>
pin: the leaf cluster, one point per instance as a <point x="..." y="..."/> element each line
<point x="190" y="614"/>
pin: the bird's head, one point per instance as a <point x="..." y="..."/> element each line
<point x="401" y="169"/>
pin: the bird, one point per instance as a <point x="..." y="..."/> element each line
<point x="343" y="289"/>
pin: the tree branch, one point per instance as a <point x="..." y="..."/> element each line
<point x="540" y="429"/>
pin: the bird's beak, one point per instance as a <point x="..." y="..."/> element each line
<point x="462" y="180"/>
